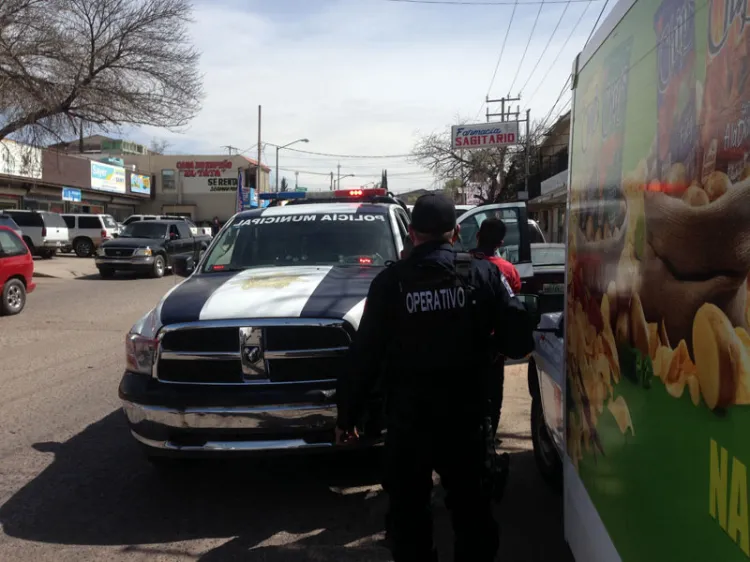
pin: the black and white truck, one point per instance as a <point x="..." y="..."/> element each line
<point x="243" y="355"/>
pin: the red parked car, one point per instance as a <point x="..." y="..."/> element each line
<point x="16" y="272"/>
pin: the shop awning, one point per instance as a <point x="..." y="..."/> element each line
<point x="558" y="197"/>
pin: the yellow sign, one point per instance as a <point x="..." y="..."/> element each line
<point x="275" y="282"/>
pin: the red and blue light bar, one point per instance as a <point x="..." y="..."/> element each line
<point x="338" y="194"/>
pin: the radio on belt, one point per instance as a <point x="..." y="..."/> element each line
<point x="339" y="193"/>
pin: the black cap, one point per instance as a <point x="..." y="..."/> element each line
<point x="433" y="213"/>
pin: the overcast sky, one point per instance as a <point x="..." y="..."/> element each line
<point x="368" y="77"/>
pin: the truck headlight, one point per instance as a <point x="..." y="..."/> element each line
<point x="100" y="252"/>
<point x="140" y="352"/>
<point x="143" y="252"/>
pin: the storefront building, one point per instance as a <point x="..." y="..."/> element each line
<point x="198" y="186"/>
<point x="45" y="180"/>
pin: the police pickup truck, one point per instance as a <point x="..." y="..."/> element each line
<point x="243" y="355"/>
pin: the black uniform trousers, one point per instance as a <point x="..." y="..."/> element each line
<point x="495" y="392"/>
<point x="458" y="452"/>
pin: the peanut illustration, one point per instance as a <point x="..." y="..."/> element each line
<point x="695" y="196"/>
<point x="717" y="351"/>
<point x="716" y="185"/>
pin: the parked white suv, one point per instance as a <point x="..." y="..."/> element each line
<point x="44" y="233"/>
<point x="87" y="232"/>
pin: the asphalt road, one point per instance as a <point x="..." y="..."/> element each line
<point x="73" y="485"/>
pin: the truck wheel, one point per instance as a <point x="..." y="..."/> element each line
<point x="47" y="254"/>
<point x="14" y="298"/>
<point x="30" y="244"/>
<point x="106" y="273"/>
<point x="533" y="380"/>
<point x="83" y="247"/>
<point x="157" y="270"/>
<point x="547" y="460"/>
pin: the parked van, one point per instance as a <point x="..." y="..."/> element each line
<point x="44" y="233"/>
<point x="87" y="232"/>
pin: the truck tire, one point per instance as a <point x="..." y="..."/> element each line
<point x="157" y="270"/>
<point x="13" y="297"/>
<point x="533" y="380"/>
<point x="30" y="244"/>
<point x="547" y="460"/>
<point x="83" y="247"/>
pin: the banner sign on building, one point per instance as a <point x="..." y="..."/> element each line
<point x="105" y="177"/>
<point x="206" y="176"/>
<point x="484" y="135"/>
<point x="140" y="184"/>
<point x="21" y="160"/>
<point x="71" y="194"/>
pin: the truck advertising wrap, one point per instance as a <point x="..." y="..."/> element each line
<point x="657" y="316"/>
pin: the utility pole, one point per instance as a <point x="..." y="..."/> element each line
<point x="258" y="174"/>
<point x="338" y="176"/>
<point x="507" y="115"/>
<point x="230" y="148"/>
<point x="331" y="181"/>
<point x="296" y="180"/>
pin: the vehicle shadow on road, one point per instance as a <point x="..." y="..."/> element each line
<point x="99" y="490"/>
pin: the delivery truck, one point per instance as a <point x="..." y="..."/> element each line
<point x="656" y="340"/>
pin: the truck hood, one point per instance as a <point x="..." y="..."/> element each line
<point x="132" y="242"/>
<point x="270" y="292"/>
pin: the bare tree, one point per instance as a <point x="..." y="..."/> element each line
<point x="159" y="146"/>
<point x="491" y="173"/>
<point x="106" y="63"/>
<point x="284" y="185"/>
<point x="482" y="170"/>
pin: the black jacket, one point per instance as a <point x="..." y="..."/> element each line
<point x="380" y="346"/>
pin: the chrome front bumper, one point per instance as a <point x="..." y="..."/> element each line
<point x="139" y="260"/>
<point x="154" y="426"/>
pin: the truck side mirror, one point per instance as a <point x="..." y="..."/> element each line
<point x="531" y="304"/>
<point x="183" y="266"/>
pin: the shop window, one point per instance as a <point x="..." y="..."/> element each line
<point x="168" y="182"/>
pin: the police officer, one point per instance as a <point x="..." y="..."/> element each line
<point x="427" y="325"/>
<point x="489" y="238"/>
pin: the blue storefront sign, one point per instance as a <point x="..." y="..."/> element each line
<point x="70" y="194"/>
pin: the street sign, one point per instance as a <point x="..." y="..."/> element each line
<point x="300" y="189"/>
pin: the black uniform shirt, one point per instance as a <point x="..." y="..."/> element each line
<point x="498" y="312"/>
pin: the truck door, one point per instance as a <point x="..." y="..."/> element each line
<point x="517" y="246"/>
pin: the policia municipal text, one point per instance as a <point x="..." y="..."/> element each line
<point x="431" y="326"/>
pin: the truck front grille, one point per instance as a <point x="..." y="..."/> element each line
<point x="118" y="252"/>
<point x="267" y="351"/>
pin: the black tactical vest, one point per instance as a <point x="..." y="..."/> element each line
<point x="437" y="319"/>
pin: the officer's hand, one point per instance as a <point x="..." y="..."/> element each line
<point x="344" y="437"/>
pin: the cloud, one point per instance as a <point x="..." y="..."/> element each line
<point x="361" y="77"/>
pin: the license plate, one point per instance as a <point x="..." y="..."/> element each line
<point x="553" y="288"/>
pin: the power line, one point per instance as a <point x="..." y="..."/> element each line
<point x="549" y="42"/>
<point x="363" y="156"/>
<point x="596" y="23"/>
<point x="485" y="2"/>
<point x="560" y="51"/>
<point x="543" y="124"/>
<point x="520" y="64"/>
<point x="499" y="59"/>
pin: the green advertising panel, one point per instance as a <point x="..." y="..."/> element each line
<point x="658" y="351"/>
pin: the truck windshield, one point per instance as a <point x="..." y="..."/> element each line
<point x="144" y="229"/>
<point x="359" y="239"/>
